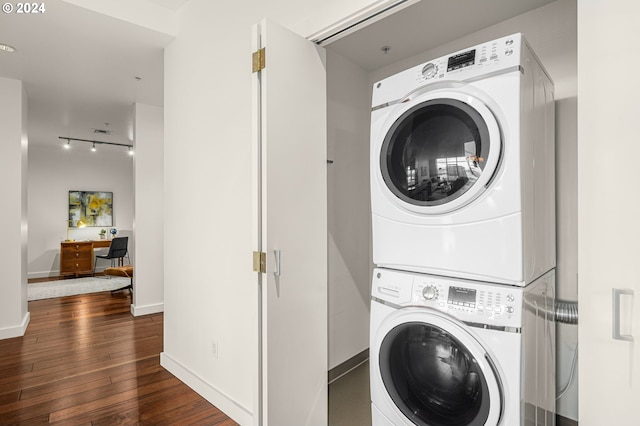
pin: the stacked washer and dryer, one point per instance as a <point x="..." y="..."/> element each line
<point x="463" y="214"/>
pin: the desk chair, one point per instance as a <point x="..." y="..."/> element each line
<point x="117" y="250"/>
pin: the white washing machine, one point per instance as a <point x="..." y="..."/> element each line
<point x="450" y="352"/>
<point x="463" y="166"/>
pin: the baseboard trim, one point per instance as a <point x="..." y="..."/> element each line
<point x="55" y="273"/>
<point x="17" y="331"/>
<point x="563" y="421"/>
<point x="223" y="402"/>
<point x="340" y="370"/>
<point x="138" y="311"/>
<point x="43" y="274"/>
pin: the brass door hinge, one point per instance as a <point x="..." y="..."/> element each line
<point x="260" y="262"/>
<point x="258" y="60"/>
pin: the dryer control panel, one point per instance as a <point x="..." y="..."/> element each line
<point x="476" y="62"/>
<point x="465" y="64"/>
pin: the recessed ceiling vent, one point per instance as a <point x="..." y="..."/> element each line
<point x="101" y="131"/>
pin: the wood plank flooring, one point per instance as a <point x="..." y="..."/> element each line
<point x="85" y="360"/>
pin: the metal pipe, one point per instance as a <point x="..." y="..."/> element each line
<point x="566" y="312"/>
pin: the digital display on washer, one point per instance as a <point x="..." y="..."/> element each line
<point x="462" y="297"/>
<point x="461" y="60"/>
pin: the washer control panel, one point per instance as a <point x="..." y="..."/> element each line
<point x="469" y="300"/>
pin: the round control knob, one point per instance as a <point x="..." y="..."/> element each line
<point x="430" y="292"/>
<point x="510" y="298"/>
<point x="430" y="70"/>
<point x="510" y="309"/>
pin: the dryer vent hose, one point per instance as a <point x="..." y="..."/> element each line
<point x="566" y="312"/>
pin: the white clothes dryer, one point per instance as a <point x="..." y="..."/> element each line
<point x="463" y="166"/>
<point x="449" y="352"/>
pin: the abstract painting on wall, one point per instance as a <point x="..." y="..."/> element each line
<point x="90" y="208"/>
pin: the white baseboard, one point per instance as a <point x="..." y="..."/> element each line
<point x="17" y="331"/>
<point x="138" y="311"/>
<point x="223" y="402"/>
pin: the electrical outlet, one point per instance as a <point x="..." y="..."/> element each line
<point x="214" y="348"/>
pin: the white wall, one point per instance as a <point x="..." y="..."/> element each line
<point x="210" y="289"/>
<point x="349" y="208"/>
<point x="53" y="172"/>
<point x="14" y="316"/>
<point x="149" y="204"/>
<point x="567" y="248"/>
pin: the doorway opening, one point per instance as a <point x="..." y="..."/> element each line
<point x="411" y="36"/>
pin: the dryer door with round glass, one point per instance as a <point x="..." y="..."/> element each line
<point x="440" y="151"/>
<point x="436" y="373"/>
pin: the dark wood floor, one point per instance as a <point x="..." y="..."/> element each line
<point x="85" y="360"/>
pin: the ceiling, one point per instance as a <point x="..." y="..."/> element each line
<point x="82" y="69"/>
<point x="425" y="25"/>
<point x="169" y="4"/>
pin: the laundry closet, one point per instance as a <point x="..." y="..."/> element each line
<point x="353" y="65"/>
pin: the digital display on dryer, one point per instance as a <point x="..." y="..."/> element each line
<point x="461" y="60"/>
<point x="460" y="296"/>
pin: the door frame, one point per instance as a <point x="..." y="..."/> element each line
<point x="358" y="20"/>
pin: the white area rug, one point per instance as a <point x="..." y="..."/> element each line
<point x="71" y="287"/>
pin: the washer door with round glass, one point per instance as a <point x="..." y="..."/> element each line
<point x="435" y="372"/>
<point x="440" y="151"/>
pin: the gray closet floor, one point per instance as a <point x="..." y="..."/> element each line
<point x="349" y="399"/>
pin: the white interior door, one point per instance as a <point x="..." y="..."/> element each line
<point x="609" y="210"/>
<point x="290" y="95"/>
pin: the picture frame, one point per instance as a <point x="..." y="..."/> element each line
<point x="90" y="209"/>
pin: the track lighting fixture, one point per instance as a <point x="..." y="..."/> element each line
<point x="94" y="143"/>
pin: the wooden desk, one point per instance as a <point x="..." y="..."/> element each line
<point x="77" y="257"/>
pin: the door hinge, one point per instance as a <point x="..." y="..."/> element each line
<point x="260" y="262"/>
<point x="258" y="60"/>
